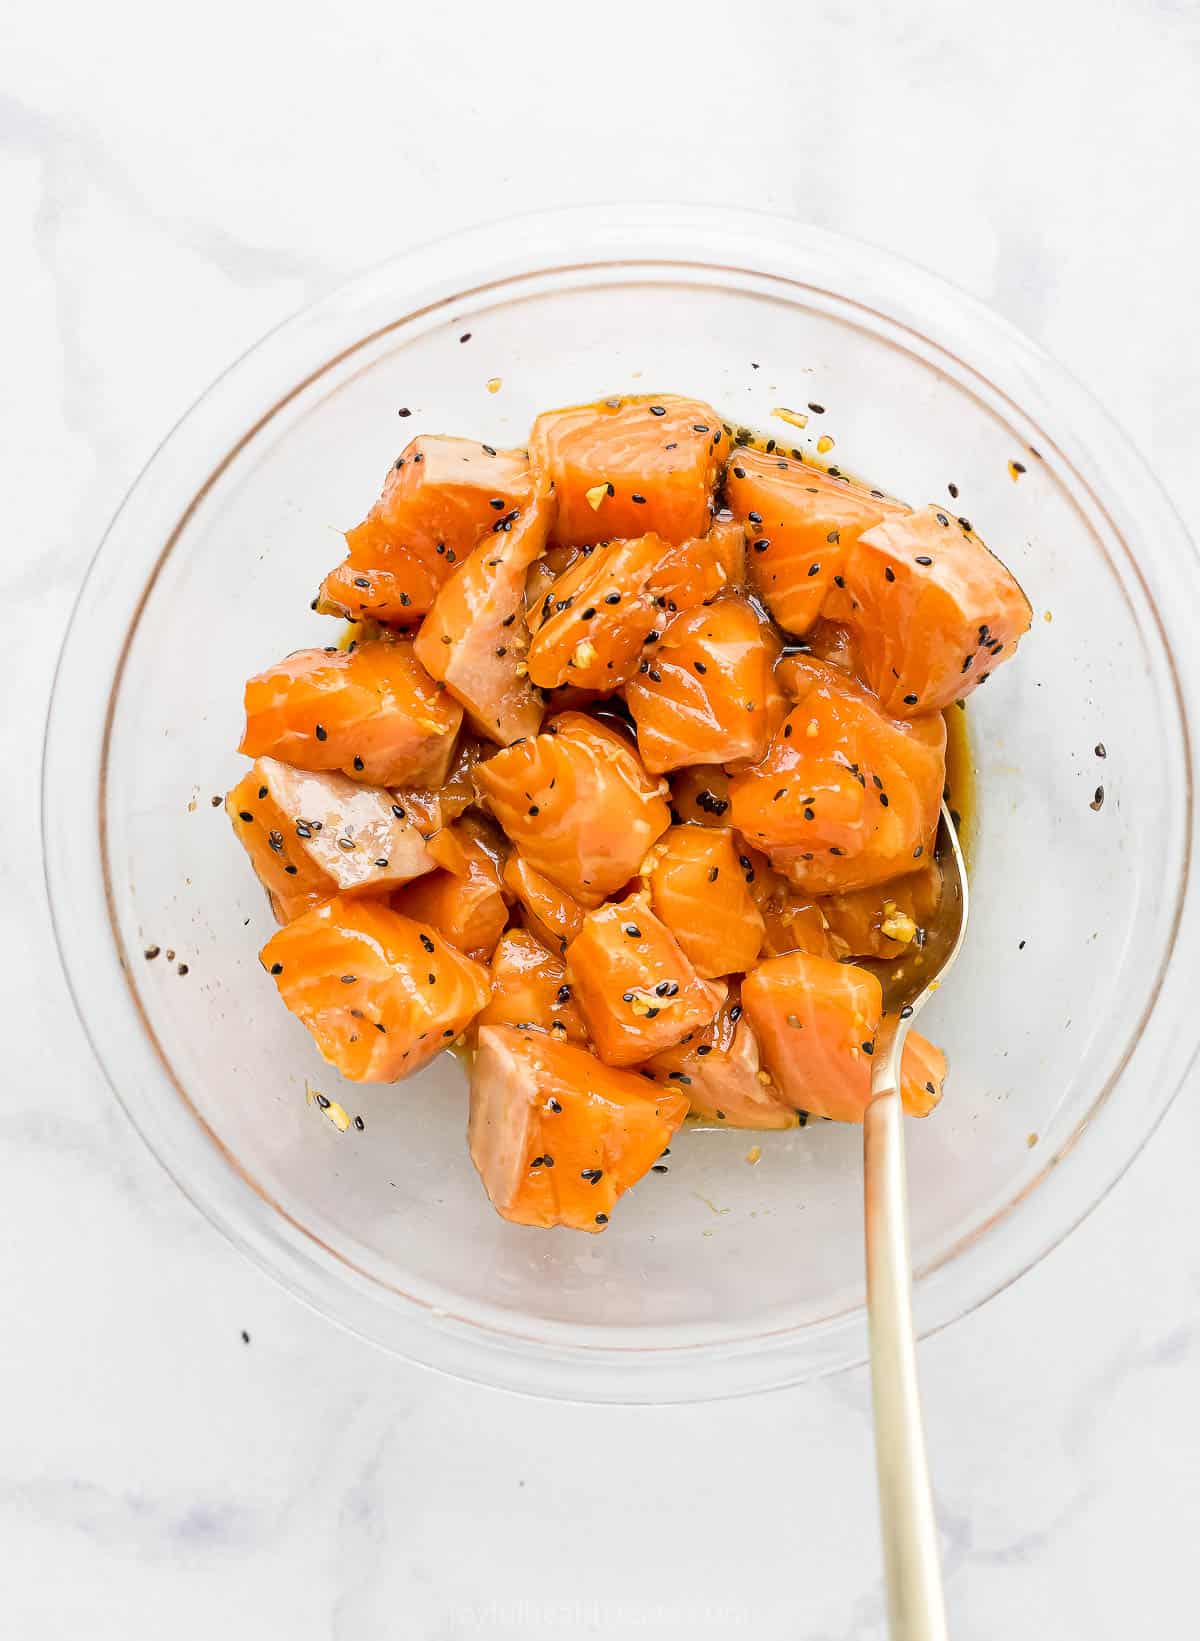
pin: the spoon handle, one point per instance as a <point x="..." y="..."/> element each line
<point x="916" y="1607"/>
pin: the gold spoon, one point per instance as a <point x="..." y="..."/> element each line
<point x="916" y="1606"/>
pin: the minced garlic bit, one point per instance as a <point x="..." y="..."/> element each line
<point x="824" y="444"/>
<point x="1047" y="615"/>
<point x="754" y="1153"/>
<point x="585" y="654"/>
<point x="812" y="728"/>
<point x="764" y="1077"/>
<point x="494" y="384"/>
<point x="795" y="417"/>
<point x="337" y="1114"/>
<point x="596" y="495"/>
<point x="897" y="925"/>
<point x="1031" y="1140"/>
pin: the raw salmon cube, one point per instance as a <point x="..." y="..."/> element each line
<point x="577" y="803"/>
<point x="696" y="571"/>
<point x="311" y="836"/>
<point x="595" y="618"/>
<point x="380" y="994"/>
<point x="438" y="499"/>
<point x="530" y="990"/>
<point x="397" y="596"/>
<point x="846" y="797"/>
<point x="463" y="900"/>
<point x="706" y="692"/>
<point x="699" y="890"/>
<point x="474" y="639"/>
<point x="720" y="1071"/>
<point x="816" y="1021"/>
<point x="372" y="712"/>
<point x="553" y="915"/>
<point x="931" y="612"/>
<point x="627" y="466"/>
<point x="556" y="1136"/>
<point x="922" y="1074"/>
<point x="799" y="522"/>
<point x="638" y="991"/>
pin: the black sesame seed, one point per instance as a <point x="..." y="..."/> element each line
<point x="943" y="520"/>
<point x="632" y="930"/>
<point x="814" y="569"/>
<point x="601" y="1219"/>
<point x="465" y="337"/>
<point x="739" y="472"/>
<point x="658" y="410"/>
<point x="889" y="572"/>
<point x="906" y="1012"/>
<point x="714" y="873"/>
<point x="810" y="814"/>
<point x="592" y="1175"/>
<point x="700" y="666"/>
<point x="276" y="968"/>
<point x="1100" y="750"/>
<point x="553" y="1105"/>
<point x="358" y="763"/>
<point x="152" y="952"/>
<point x="245" y="815"/>
<point x="612" y="598"/>
<point x="321" y="733"/>
<point x="323" y="1101"/>
<point x="868" y="1048"/>
<point x="660" y="1168"/>
<point x="817" y="410"/>
<point x="761" y="545"/>
<point x="533" y="809"/>
<point x="910" y="700"/>
<point x="923" y="558"/>
<point x="1098" y="801"/>
<point x="652" y="1014"/>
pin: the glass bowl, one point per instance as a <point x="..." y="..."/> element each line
<point x="1069" y="1021"/>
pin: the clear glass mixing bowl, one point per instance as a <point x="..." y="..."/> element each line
<point x="1069" y="1017"/>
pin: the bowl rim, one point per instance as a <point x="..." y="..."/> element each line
<point x="440" y="274"/>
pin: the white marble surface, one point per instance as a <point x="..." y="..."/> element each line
<point x="171" y="183"/>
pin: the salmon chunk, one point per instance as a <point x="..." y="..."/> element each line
<point x="596" y="616"/>
<point x="699" y="890"/>
<point x="705" y="692"/>
<point x="930" y="611"/>
<point x="464" y="899"/>
<point x="638" y="991"/>
<point x="628" y="466"/>
<point x="556" y="1136"/>
<point x="800" y="523"/>
<point x="379" y="993"/>
<point x="438" y="499"/>
<point x="577" y="803"/>
<point x="816" y="1021"/>
<point x="372" y="712"/>
<point x="553" y="915"/>
<point x="530" y="990"/>
<point x="846" y="796"/>
<point x="721" y="1072"/>
<point x="474" y="639"/>
<point x="311" y="836"/>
